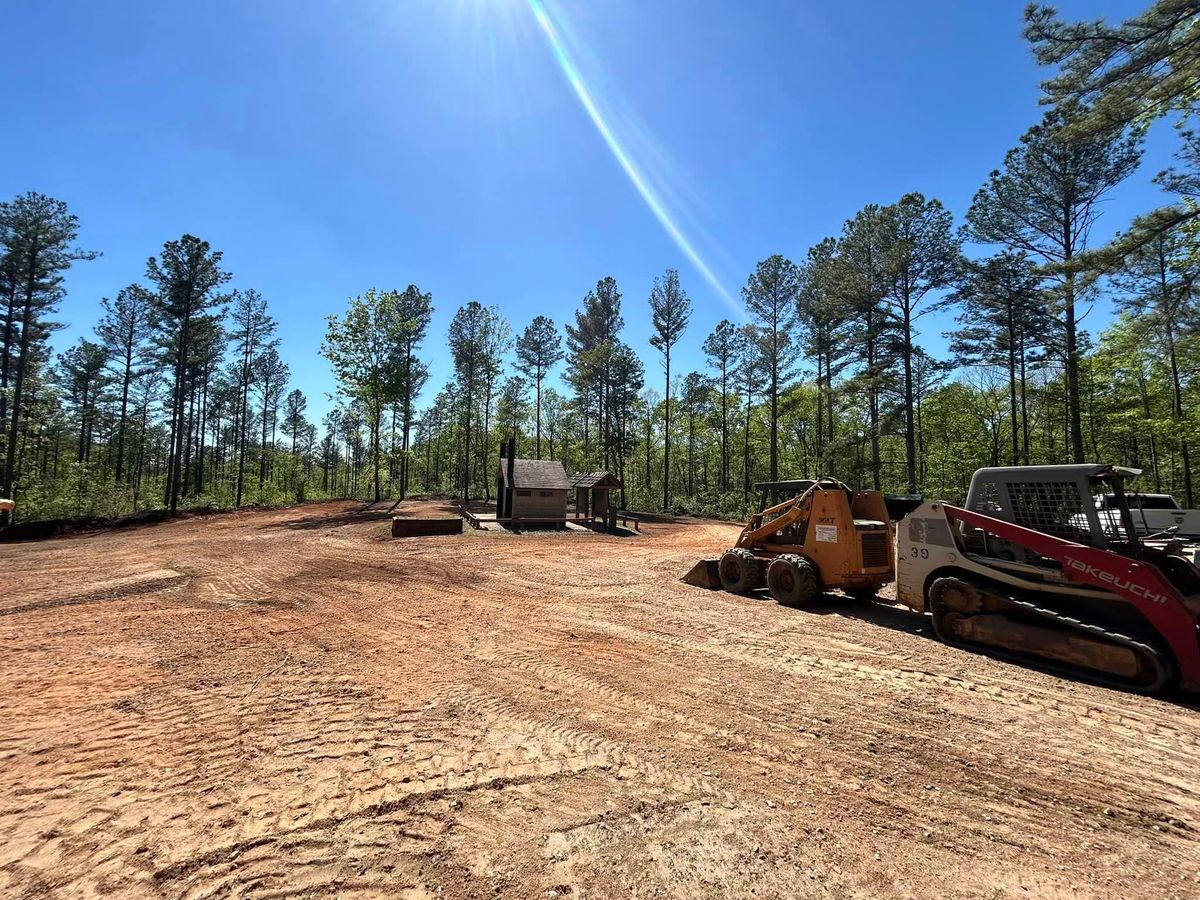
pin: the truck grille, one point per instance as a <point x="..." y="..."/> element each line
<point x="874" y="549"/>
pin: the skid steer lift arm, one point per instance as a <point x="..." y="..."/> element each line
<point x="1142" y="585"/>
<point x="786" y="513"/>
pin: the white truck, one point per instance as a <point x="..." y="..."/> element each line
<point x="1156" y="513"/>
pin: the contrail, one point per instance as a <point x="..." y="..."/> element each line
<point x="575" y="79"/>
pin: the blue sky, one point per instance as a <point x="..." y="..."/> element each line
<point x="329" y="148"/>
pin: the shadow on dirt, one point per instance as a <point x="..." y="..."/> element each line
<point x="363" y="515"/>
<point x="877" y="612"/>
<point x="619" y="531"/>
<point x="897" y="618"/>
<point x="902" y="619"/>
<point x="42" y="529"/>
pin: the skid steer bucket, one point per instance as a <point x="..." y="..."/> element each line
<point x="703" y="574"/>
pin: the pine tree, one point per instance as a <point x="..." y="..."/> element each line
<point x="823" y="315"/>
<point x="771" y="295"/>
<point x="1158" y="282"/>
<point x="81" y="370"/>
<point x="415" y="310"/>
<point x="695" y="396"/>
<point x="495" y="342"/>
<point x="511" y="409"/>
<point x="670" y="310"/>
<point x="1117" y="76"/>
<point x="1045" y="202"/>
<point x="721" y="348"/>
<point x="37" y="234"/>
<point x="467" y="336"/>
<point x="860" y="281"/>
<point x="1002" y="323"/>
<point x="252" y="331"/>
<point x="921" y="255"/>
<point x="539" y="349"/>
<point x="628" y="379"/>
<point x="125" y="331"/>
<point x="590" y="343"/>
<point x="270" y="380"/>
<point x="294" y="423"/>
<point x="1114" y="78"/>
<point x="208" y="349"/>
<point x="187" y="276"/>
<point x="751" y="367"/>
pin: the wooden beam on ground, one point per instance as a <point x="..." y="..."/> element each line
<point x="406" y="527"/>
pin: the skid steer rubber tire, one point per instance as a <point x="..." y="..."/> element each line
<point x="792" y="581"/>
<point x="740" y="571"/>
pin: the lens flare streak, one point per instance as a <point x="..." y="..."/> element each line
<point x="649" y="195"/>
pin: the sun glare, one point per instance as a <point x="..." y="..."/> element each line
<point x="638" y="175"/>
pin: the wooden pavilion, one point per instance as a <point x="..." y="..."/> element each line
<point x="593" y="497"/>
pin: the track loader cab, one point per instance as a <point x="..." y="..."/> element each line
<point x="1087" y="504"/>
<point x="1083" y="503"/>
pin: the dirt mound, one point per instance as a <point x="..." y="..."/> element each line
<point x="48" y="528"/>
<point x="41" y="529"/>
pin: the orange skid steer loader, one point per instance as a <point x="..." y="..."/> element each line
<point x="824" y="537"/>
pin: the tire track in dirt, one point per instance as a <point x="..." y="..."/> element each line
<point x="1032" y="808"/>
<point x="604" y="752"/>
<point x="618" y="700"/>
<point x="765" y="655"/>
<point x="96" y="592"/>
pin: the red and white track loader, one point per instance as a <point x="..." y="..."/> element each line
<point x="1037" y="567"/>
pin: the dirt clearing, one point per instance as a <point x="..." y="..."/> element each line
<point x="291" y="703"/>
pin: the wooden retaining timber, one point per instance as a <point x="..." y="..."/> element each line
<point x="519" y="522"/>
<point x="404" y="527"/>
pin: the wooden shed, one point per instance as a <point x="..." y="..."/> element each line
<point x="530" y="491"/>
<point x="593" y="496"/>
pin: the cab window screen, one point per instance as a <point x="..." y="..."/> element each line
<point x="1052" y="507"/>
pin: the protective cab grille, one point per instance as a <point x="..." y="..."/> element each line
<point x="874" y="549"/>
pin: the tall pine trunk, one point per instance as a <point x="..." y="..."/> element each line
<point x="910" y="425"/>
<point x="10" y="459"/>
<point x="667" y="435"/>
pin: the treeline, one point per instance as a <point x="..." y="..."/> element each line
<point x="181" y="396"/>
<point x="178" y="398"/>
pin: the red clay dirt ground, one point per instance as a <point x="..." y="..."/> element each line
<point x="290" y="703"/>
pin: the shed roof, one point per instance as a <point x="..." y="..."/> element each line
<point x="543" y="474"/>
<point x="596" y="480"/>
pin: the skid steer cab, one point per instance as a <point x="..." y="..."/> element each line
<point x="1044" y="565"/>
<point x="824" y="536"/>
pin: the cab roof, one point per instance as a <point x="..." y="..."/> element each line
<point x="1048" y="473"/>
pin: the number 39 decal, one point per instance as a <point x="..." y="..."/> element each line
<point x="920" y="552"/>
